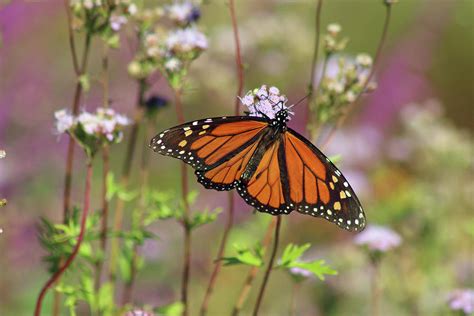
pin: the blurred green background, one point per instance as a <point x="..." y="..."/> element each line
<point x="407" y="151"/>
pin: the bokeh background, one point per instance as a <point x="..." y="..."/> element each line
<point x="407" y="150"/>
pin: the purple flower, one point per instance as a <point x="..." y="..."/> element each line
<point x="378" y="238"/>
<point x="463" y="300"/>
<point x="187" y="40"/>
<point x="116" y="22"/>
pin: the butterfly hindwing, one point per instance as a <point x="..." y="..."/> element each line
<point x="317" y="187"/>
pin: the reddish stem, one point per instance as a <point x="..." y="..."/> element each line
<point x="185" y="220"/>
<point x="230" y="218"/>
<point x="76" y="248"/>
<point x="266" y="277"/>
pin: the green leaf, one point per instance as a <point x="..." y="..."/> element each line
<point x="246" y="256"/>
<point x="173" y="309"/>
<point x="203" y="218"/>
<point x="335" y="158"/>
<point x="105" y="297"/>
<point x="292" y="253"/>
<point x="319" y="268"/>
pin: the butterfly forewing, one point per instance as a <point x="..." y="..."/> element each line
<point x="218" y="148"/>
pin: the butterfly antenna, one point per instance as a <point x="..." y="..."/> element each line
<point x="299" y="101"/>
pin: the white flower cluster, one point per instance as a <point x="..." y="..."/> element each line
<point x="104" y="123"/>
<point x="264" y="102"/>
<point x="378" y="238"/>
<point x="3" y="154"/>
<point x="86" y="4"/>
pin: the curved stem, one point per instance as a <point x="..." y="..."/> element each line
<point x="230" y="218"/>
<point x="294" y="295"/>
<point x="76" y="248"/>
<point x="244" y="292"/>
<point x="266" y="277"/>
<point x="378" y="52"/>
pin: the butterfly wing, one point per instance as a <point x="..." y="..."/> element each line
<point x="317" y="187"/>
<point x="218" y="148"/>
<point x="264" y="184"/>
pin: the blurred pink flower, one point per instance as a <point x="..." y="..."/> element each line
<point x="264" y="101"/>
<point x="139" y="312"/>
<point x="378" y="238"/>
<point x="300" y="272"/>
<point x="462" y="299"/>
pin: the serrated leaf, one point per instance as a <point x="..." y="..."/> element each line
<point x="203" y="218"/>
<point x="245" y="256"/>
<point x="292" y="253"/>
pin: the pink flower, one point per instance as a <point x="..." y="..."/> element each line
<point x="264" y="102"/>
<point x="462" y="299"/>
<point x="378" y="238"/>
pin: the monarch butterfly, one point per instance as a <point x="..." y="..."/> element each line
<point x="274" y="169"/>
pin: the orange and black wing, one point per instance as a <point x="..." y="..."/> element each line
<point x="263" y="185"/>
<point x="317" y="187"/>
<point x="218" y="148"/>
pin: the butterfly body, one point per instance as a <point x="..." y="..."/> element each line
<point x="273" y="168"/>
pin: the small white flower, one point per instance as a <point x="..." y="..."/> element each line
<point x="350" y="96"/>
<point x="122" y="119"/>
<point x="364" y="60"/>
<point x="274" y="90"/>
<point x="462" y="299"/>
<point x="89" y="122"/>
<point x="132" y="9"/>
<point x="378" y="238"/>
<point x="335" y="86"/>
<point x="334" y="28"/>
<point x="247" y="100"/>
<point x="3" y="154"/>
<point x="173" y="64"/>
<point x="64" y="121"/>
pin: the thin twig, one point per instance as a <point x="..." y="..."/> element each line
<point x="144" y="175"/>
<point x="72" y="42"/>
<point x="375" y="288"/>
<point x="266" y="277"/>
<point x="313" y="90"/>
<point x="118" y="216"/>
<point x="105" y="172"/>
<point x="230" y="218"/>
<point x="353" y="105"/>
<point x="244" y="292"/>
<point x="75" y="250"/>
<point x="294" y="296"/>
<point x="185" y="220"/>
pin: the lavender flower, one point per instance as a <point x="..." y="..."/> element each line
<point x="462" y="300"/>
<point x="183" y="13"/>
<point x="300" y="272"/>
<point x="378" y="238"/>
<point x="116" y="22"/>
<point x="186" y="41"/>
<point x="264" y="102"/>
